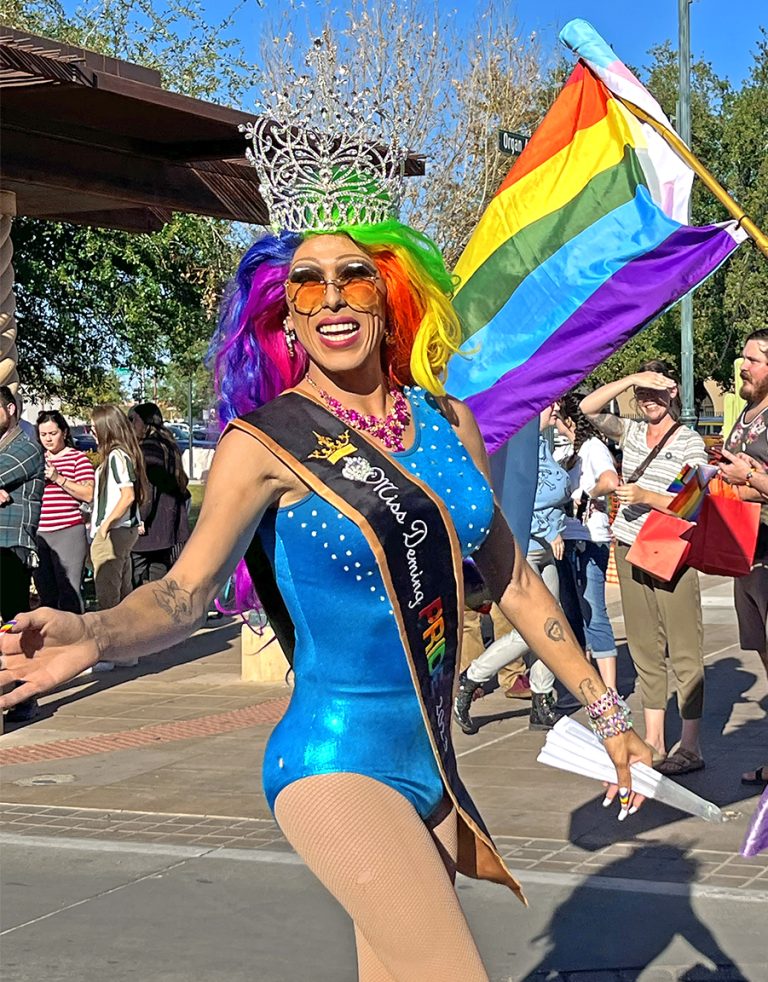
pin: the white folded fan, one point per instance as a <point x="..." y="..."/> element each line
<point x="572" y="747"/>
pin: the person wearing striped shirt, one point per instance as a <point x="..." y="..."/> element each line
<point x="660" y="618"/>
<point x="62" y="542"/>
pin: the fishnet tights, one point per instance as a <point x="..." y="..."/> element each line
<point x="367" y="844"/>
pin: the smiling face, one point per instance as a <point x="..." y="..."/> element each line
<point x="340" y="322"/>
<point x="654" y="403"/>
<point x="51" y="436"/>
<point x="754" y="372"/>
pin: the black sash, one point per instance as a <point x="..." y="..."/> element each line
<point x="412" y="537"/>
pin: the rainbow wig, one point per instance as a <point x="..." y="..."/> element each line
<point x="248" y="351"/>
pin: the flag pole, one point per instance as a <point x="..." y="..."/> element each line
<point x="708" y="179"/>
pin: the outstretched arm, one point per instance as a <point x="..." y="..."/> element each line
<point x="47" y="647"/>
<point x="527" y="603"/>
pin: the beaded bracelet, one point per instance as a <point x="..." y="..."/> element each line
<point x="618" y="722"/>
<point x="601" y="706"/>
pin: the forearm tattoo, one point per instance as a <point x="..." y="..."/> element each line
<point x="554" y="629"/>
<point x="174" y="600"/>
<point x="589" y="691"/>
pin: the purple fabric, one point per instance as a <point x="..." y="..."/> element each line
<point x="757" y="834"/>
<point x="617" y="310"/>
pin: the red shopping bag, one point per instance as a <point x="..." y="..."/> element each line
<point x="662" y="545"/>
<point x="725" y="537"/>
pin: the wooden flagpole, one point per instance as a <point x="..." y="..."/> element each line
<point x="759" y="238"/>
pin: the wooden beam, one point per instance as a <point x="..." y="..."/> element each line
<point x="139" y="181"/>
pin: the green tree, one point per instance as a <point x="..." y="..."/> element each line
<point x="173" y="390"/>
<point x="745" y="140"/>
<point x="89" y="300"/>
<point x="710" y="96"/>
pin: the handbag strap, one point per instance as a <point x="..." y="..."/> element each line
<point x="643" y="467"/>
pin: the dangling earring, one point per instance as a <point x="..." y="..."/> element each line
<point x="388" y="336"/>
<point x="290" y="337"/>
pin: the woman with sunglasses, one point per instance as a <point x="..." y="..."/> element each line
<point x="674" y="607"/>
<point x="353" y="487"/>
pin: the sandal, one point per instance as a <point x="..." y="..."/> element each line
<point x="680" y="762"/>
<point x="760" y="779"/>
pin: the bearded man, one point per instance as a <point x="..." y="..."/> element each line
<point x="746" y="466"/>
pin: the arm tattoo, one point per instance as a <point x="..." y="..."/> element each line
<point x="174" y="600"/>
<point x="554" y="629"/>
<point x="608" y="424"/>
<point x="589" y="691"/>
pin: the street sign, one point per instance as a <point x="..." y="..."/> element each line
<point x="512" y="143"/>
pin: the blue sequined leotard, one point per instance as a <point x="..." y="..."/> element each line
<point x="354" y="707"/>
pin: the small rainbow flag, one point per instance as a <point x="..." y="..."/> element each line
<point x="690" y="489"/>
<point x="584" y="244"/>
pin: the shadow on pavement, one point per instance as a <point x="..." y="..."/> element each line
<point x="634" y="928"/>
<point x="210" y="640"/>
<point x="726" y="683"/>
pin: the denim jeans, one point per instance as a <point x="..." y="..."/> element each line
<point x="585" y="567"/>
<point x="511" y="646"/>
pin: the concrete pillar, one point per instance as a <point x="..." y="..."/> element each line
<point x="8" y="354"/>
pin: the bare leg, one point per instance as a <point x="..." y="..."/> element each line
<point x="607" y="669"/>
<point x="654" y="728"/>
<point x="367" y="844"/>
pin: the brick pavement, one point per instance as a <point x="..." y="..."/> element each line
<point x="522" y="853"/>
<point x="171" y="751"/>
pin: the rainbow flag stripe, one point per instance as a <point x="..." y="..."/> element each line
<point x="690" y="489"/>
<point x="580" y="248"/>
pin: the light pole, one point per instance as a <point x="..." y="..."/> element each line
<point x="688" y="415"/>
<point x="190" y="442"/>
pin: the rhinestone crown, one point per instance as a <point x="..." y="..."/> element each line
<point x="321" y="158"/>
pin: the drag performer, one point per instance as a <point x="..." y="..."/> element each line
<point x="352" y="486"/>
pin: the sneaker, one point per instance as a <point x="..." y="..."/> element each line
<point x="463" y="701"/>
<point x="520" y="688"/>
<point x="543" y="712"/>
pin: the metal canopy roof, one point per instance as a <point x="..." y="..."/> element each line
<point x="98" y="141"/>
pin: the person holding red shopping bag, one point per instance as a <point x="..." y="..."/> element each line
<point x="745" y="459"/>
<point x="655" y="449"/>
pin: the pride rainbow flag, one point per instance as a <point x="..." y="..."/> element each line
<point x="584" y="244"/>
<point x="690" y="489"/>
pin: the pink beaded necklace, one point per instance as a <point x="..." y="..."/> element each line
<point x="389" y="430"/>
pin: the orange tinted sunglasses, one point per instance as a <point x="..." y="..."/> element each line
<point x="359" y="291"/>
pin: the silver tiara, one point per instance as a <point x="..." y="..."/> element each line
<point x="321" y="154"/>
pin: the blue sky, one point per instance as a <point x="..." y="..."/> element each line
<point x="723" y="32"/>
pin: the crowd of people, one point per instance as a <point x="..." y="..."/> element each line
<point x="388" y="794"/>
<point x="595" y="495"/>
<point x="127" y="516"/>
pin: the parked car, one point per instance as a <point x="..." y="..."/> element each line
<point x="180" y="433"/>
<point x="83" y="438"/>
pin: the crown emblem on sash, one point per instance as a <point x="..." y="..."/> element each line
<point x="333" y="450"/>
<point x="356" y="469"/>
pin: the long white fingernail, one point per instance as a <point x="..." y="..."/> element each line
<point x="633" y="809"/>
<point x="607" y="801"/>
<point x="623" y="814"/>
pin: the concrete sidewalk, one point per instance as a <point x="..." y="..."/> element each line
<point x="145" y="762"/>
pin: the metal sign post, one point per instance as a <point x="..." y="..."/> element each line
<point x="688" y="415"/>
